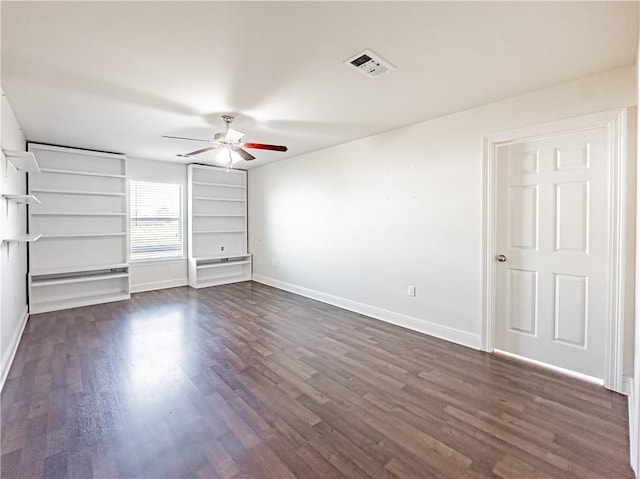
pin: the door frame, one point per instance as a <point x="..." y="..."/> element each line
<point x="616" y="123"/>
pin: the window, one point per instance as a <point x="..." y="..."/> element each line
<point x="156" y="220"/>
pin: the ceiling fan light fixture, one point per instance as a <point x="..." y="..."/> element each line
<point x="227" y="157"/>
<point x="228" y="150"/>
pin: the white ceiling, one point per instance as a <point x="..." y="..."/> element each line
<point x="116" y="76"/>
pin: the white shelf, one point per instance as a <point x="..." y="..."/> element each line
<point x="222" y="256"/>
<point x="219" y="280"/>
<point x="75" y="192"/>
<point x="78" y="269"/>
<point x="218" y="231"/>
<point x="60" y="213"/>
<point x="205" y="183"/>
<point x="76" y="302"/>
<point x="27" y="238"/>
<point x="30" y="199"/>
<point x="81" y="173"/>
<point x="78" y="279"/>
<point x="222" y="264"/>
<point x="22" y="160"/>
<point x="215" y="215"/>
<point x="209" y="198"/>
<point x="82" y="235"/>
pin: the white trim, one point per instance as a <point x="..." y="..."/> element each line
<point x="616" y="123"/>
<point x="627" y="385"/>
<point x="76" y="151"/>
<point x="558" y="127"/>
<point x="634" y="442"/>
<point x="550" y="367"/>
<point x="432" y="329"/>
<point x="154" y="285"/>
<point x="10" y="354"/>
<point x="489" y="239"/>
<point x="616" y="223"/>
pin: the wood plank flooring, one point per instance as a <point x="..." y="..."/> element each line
<point x="246" y="381"/>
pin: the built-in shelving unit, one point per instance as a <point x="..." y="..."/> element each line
<point x="217" y="228"/>
<point x="83" y="255"/>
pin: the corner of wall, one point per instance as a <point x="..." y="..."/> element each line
<point x="10" y="353"/>
<point x="13" y="259"/>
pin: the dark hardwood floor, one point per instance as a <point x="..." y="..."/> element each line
<point x="246" y="381"/>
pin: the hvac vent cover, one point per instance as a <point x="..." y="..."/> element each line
<point x="370" y="64"/>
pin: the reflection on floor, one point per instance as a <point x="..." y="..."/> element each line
<point x="246" y="381"/>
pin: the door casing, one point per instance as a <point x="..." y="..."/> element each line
<point x="616" y="123"/>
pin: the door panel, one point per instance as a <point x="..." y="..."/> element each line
<point x="523" y="221"/>
<point x="572" y="217"/>
<point x="570" y="312"/>
<point x="551" y="225"/>
<point x="523" y="301"/>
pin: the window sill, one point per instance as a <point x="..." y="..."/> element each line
<point x="179" y="259"/>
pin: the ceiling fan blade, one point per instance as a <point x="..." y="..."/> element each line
<point x="262" y="146"/>
<point x="197" y="152"/>
<point x="246" y="156"/>
<point x="233" y="135"/>
<point x="185" y="138"/>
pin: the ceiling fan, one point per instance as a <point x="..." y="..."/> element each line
<point x="230" y="150"/>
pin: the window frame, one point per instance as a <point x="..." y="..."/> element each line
<point x="181" y="223"/>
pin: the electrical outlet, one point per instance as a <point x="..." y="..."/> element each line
<point x="411" y="291"/>
<point x="221" y="248"/>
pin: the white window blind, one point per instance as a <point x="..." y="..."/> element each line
<point x="156" y="222"/>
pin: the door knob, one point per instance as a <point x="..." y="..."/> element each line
<point x="501" y="258"/>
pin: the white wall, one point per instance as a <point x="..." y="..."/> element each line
<point x="13" y="221"/>
<point x="146" y="276"/>
<point x="634" y="397"/>
<point x="357" y="223"/>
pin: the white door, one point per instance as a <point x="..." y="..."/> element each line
<point x="551" y="229"/>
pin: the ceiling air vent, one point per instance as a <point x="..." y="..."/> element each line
<point x="370" y="64"/>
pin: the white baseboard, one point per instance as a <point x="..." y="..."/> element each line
<point x="627" y="385"/>
<point x="10" y="353"/>
<point x="152" y="286"/>
<point x="432" y="329"/>
<point x="634" y="426"/>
